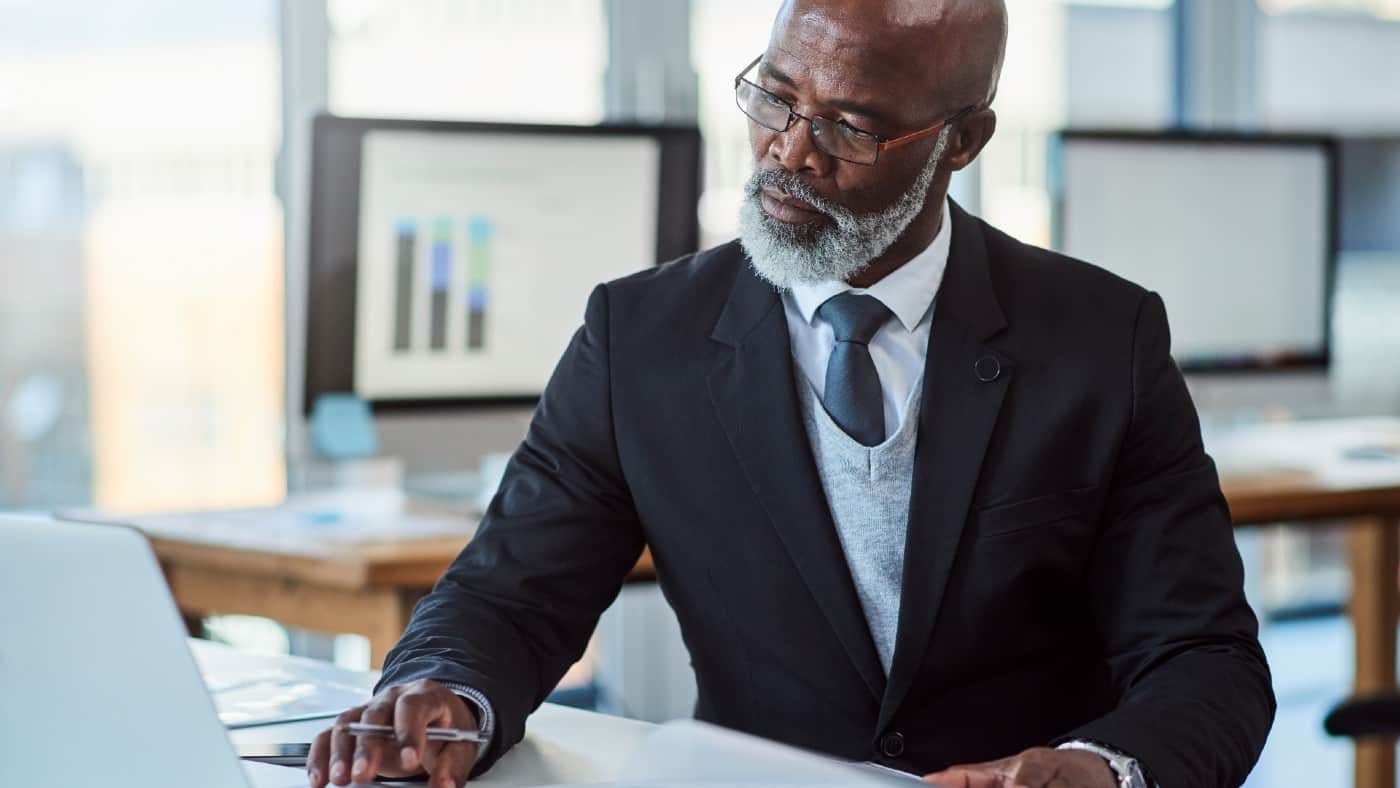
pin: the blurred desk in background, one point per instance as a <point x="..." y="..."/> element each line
<point x="1315" y="472"/>
<point x="367" y="589"/>
<point x="305" y="567"/>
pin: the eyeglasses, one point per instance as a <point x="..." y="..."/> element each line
<point x="836" y="138"/>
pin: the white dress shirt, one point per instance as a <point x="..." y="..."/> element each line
<point x="899" y="347"/>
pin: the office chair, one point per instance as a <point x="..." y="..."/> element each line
<point x="1363" y="716"/>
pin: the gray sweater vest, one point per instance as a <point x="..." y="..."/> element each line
<point x="867" y="490"/>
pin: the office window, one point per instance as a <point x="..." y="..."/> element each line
<point x="1382" y="8"/>
<point x="499" y="60"/>
<point x="725" y="36"/>
<point x="140" y="254"/>
<point x="1332" y="69"/>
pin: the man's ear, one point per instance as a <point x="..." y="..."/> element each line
<point x="969" y="137"/>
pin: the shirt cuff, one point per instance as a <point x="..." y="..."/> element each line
<point x="485" y="714"/>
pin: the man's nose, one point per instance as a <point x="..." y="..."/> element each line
<point x="796" y="152"/>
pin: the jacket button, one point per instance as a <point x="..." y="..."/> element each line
<point x="892" y="745"/>
<point x="988" y="369"/>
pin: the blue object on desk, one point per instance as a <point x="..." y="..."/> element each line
<point x="342" y="428"/>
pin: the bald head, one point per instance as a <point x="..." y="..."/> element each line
<point x="952" y="50"/>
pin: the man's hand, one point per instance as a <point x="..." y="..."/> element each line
<point x="1037" y="768"/>
<point x="339" y="758"/>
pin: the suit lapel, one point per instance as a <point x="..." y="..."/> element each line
<point x="965" y="381"/>
<point x="754" y="391"/>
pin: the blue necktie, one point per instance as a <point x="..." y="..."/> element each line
<point x="852" y="395"/>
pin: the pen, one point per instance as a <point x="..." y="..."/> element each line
<point x="434" y="734"/>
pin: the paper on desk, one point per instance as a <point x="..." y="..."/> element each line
<point x="695" y="754"/>
<point x="250" y="690"/>
<point x="264" y="775"/>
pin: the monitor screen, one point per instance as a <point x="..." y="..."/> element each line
<point x="468" y="251"/>
<point x="1235" y="233"/>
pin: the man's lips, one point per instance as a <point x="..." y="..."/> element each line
<point x="788" y="209"/>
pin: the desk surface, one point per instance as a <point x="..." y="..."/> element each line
<point x="561" y="745"/>
<point x="1309" y="470"/>
<point x="209" y="543"/>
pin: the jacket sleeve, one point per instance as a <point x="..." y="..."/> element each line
<point x="517" y="606"/>
<point x="1195" y="697"/>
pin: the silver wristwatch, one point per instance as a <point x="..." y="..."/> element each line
<point x="1125" y="767"/>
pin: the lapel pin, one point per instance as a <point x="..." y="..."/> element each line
<point x="988" y="369"/>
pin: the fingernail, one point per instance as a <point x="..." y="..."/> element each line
<point x="338" y="772"/>
<point x="360" y="766"/>
<point x="408" y="758"/>
<point x="314" y="777"/>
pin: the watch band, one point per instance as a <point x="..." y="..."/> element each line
<point x="1124" y="766"/>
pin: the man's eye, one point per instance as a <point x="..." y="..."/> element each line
<point x="774" y="100"/>
<point x="851" y="132"/>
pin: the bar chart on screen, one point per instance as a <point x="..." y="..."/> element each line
<point x="456" y="252"/>
<point x="476" y="256"/>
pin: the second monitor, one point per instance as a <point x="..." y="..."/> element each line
<point x="1235" y="232"/>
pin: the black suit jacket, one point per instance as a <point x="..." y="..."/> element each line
<point x="1070" y="570"/>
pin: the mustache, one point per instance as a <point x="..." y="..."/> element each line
<point x="795" y="186"/>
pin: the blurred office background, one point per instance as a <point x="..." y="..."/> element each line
<point x="154" y="157"/>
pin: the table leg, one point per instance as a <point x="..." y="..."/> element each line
<point x="380" y="614"/>
<point x="1375" y="609"/>
<point x="391" y="618"/>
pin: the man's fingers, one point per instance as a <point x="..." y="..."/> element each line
<point x="342" y="747"/>
<point x="318" y="760"/>
<point x="449" y="763"/>
<point x="1030" y="770"/>
<point x="981" y="776"/>
<point x="369" y="750"/>
<point x="416" y="711"/>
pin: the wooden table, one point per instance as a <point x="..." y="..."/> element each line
<point x="1301" y="472"/>
<point x="362" y="588"/>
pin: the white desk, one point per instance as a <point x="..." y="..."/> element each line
<point x="562" y="745"/>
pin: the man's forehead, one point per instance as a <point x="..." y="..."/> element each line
<point x="877" y="19"/>
<point x="889" y="14"/>
<point x="871" y="39"/>
<point x="844" y="56"/>
<point x="928" y="46"/>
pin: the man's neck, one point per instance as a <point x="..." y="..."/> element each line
<point x="910" y="245"/>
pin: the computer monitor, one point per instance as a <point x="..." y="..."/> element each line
<point x="450" y="262"/>
<point x="1237" y="233"/>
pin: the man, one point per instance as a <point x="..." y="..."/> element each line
<point x="918" y="493"/>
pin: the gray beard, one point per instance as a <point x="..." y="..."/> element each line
<point x="787" y="255"/>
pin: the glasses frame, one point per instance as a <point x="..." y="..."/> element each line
<point x="882" y="142"/>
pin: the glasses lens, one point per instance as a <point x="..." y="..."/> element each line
<point x="764" y="108"/>
<point x="844" y="142"/>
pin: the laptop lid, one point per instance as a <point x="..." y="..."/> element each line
<point x="96" y="677"/>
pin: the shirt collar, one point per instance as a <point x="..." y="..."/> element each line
<point x="908" y="291"/>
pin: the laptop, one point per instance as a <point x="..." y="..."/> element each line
<point x="97" y="683"/>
